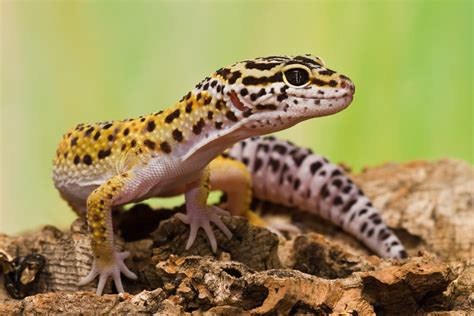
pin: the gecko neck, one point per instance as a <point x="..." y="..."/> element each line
<point x="201" y="126"/>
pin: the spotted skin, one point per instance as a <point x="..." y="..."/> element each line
<point x="167" y="152"/>
<point x="289" y="175"/>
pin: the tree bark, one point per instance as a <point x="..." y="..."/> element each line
<point x="321" y="271"/>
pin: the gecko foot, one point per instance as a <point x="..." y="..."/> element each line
<point x="201" y="218"/>
<point x="112" y="269"/>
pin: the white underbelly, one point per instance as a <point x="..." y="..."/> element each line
<point x="159" y="178"/>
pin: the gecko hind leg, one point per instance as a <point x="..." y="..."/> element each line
<point x="234" y="178"/>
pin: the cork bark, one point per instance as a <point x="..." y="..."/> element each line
<point x="320" y="271"/>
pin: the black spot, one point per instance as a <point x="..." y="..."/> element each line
<point x="332" y="83"/>
<point x="352" y="217"/>
<point x="336" y="172"/>
<point x="126" y="131"/>
<point x="210" y="114"/>
<point x="322" y="173"/>
<point x="220" y="104"/>
<point x="375" y="219"/>
<point x="338" y="201"/>
<point x="165" y="147"/>
<point x="279" y="149"/>
<point x="74" y="141"/>
<point x="326" y="72"/>
<point x="383" y="234"/>
<point x="253" y="81"/>
<point x="362" y="211"/>
<point x="87" y="160"/>
<point x="263" y="147"/>
<point x="266" y="107"/>
<point x="150" y="144"/>
<point x="319" y="82"/>
<point x="257" y="165"/>
<point x="403" y="254"/>
<point x="107" y="126"/>
<point x="283" y="171"/>
<point x="363" y="228"/>
<point x="172" y="116"/>
<point x="197" y="128"/>
<point x="133" y="143"/>
<point x="231" y="116"/>
<point x="324" y="191"/>
<point x="307" y="60"/>
<point x="348" y="206"/>
<point x="77" y="160"/>
<point x="274" y="164"/>
<point x="298" y="159"/>
<point x="213" y="83"/>
<point x="89" y="131"/>
<point x="370" y="232"/>
<point x="206" y="86"/>
<point x="188" y="96"/>
<point x="296" y="184"/>
<point x="110" y="137"/>
<point x="234" y="76"/>
<point x="315" y="166"/>
<point x="218" y="125"/>
<point x="97" y="135"/>
<point x="247" y="112"/>
<point x="337" y="183"/>
<point x="104" y="153"/>
<point x="347" y="189"/>
<point x="245" y="161"/>
<point x="189" y="107"/>
<point x="244" y="92"/>
<point x="282" y="97"/>
<point x="261" y="66"/>
<point x="177" y="135"/>
<point x="151" y="126"/>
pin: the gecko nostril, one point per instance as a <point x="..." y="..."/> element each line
<point x="343" y="84"/>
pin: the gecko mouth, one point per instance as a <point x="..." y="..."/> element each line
<point x="324" y="96"/>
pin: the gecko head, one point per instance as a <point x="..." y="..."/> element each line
<point x="272" y="93"/>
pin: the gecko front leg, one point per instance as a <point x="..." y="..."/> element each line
<point x="199" y="214"/>
<point x="107" y="261"/>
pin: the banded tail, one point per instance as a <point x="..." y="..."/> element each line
<point x="292" y="176"/>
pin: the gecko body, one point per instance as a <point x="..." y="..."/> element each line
<point x="103" y="165"/>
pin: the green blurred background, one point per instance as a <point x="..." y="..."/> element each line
<point x="65" y="62"/>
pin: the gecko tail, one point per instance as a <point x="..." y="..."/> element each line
<point x="296" y="177"/>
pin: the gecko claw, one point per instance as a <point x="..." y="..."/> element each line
<point x="113" y="270"/>
<point x="201" y="218"/>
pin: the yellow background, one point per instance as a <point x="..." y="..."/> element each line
<point x="65" y="62"/>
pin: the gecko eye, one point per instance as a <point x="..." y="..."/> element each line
<point x="297" y="77"/>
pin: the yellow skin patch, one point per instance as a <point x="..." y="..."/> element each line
<point x="115" y="145"/>
<point x="101" y="165"/>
